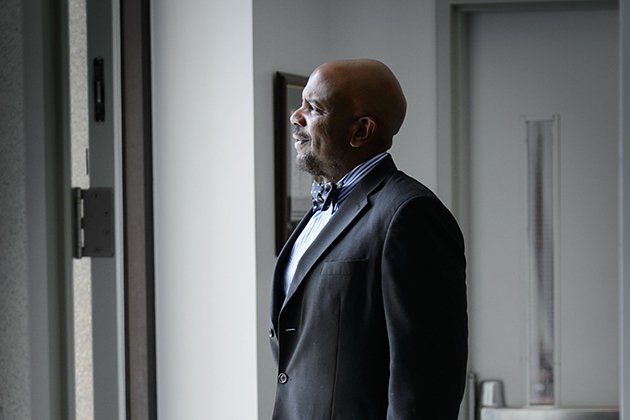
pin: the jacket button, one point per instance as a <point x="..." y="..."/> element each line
<point x="270" y="333"/>
<point x="283" y="378"/>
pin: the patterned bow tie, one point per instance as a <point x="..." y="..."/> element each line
<point x="323" y="195"/>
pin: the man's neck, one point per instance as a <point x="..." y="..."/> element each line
<point x="348" y="168"/>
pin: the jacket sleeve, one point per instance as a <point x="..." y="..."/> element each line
<point x="424" y="294"/>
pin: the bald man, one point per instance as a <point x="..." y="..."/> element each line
<point x="368" y="301"/>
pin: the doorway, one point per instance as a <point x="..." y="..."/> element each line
<point x="519" y="68"/>
<point x="560" y="67"/>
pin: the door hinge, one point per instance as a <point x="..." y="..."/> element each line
<point x="94" y="222"/>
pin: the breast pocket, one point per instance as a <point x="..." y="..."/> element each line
<point x="344" y="268"/>
<point x="338" y="278"/>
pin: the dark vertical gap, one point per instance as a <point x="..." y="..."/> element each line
<point x="284" y="227"/>
<point x="140" y="353"/>
<point x="282" y="215"/>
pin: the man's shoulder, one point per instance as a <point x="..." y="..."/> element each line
<point x="390" y="187"/>
<point x="399" y="184"/>
<point x="407" y="200"/>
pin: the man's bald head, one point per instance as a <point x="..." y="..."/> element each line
<point x="350" y="111"/>
<point x="370" y="88"/>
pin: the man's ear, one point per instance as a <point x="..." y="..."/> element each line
<point x="365" y="128"/>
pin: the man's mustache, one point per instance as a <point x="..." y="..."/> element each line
<point x="300" y="133"/>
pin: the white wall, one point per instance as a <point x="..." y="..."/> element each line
<point x="204" y="209"/>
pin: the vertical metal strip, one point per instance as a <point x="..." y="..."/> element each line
<point x="540" y="140"/>
<point x="105" y="172"/>
<point x="81" y="268"/>
<point x="138" y="211"/>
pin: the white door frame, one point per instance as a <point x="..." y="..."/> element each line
<point x="105" y="170"/>
<point x="453" y="126"/>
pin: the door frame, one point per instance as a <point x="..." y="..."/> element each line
<point x="121" y="158"/>
<point x="452" y="88"/>
<point x="137" y="139"/>
<point x="453" y="123"/>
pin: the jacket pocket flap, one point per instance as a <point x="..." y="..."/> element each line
<point x="337" y="268"/>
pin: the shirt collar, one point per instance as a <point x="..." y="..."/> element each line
<point x="350" y="180"/>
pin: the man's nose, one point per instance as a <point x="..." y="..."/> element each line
<point x="297" y="118"/>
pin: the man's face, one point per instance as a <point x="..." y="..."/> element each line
<point x="322" y="129"/>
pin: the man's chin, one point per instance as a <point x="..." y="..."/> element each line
<point x="308" y="164"/>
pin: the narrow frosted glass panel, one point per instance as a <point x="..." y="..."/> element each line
<point x="541" y="250"/>
<point x="82" y="270"/>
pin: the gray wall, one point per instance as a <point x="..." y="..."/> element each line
<point x="401" y="33"/>
<point x="32" y="238"/>
<point x="624" y="174"/>
<point x="296" y="37"/>
<point x="283" y="41"/>
<point x="14" y="334"/>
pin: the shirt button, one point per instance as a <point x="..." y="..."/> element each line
<point x="270" y="333"/>
<point x="283" y="378"/>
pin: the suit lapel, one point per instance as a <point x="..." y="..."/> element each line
<point x="351" y="208"/>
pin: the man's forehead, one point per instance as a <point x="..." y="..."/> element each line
<point x="315" y="94"/>
<point x="311" y="98"/>
<point x="321" y="88"/>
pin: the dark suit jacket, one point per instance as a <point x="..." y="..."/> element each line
<point x="374" y="325"/>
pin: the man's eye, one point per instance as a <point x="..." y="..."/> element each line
<point x="313" y="108"/>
